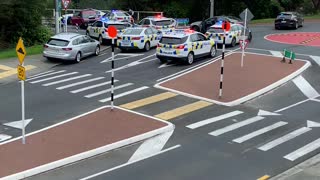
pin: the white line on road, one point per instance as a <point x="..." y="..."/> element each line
<point x="276" y="53"/>
<point x="303" y="150"/>
<point x="41" y="74"/>
<point x="284" y="138"/>
<point x="214" y="119"/>
<point x="107" y="90"/>
<point x="93" y="86"/>
<point x="317" y="100"/>
<point x="259" y="132"/>
<point x="66" y="80"/>
<point x="134" y="63"/>
<point x="79" y="83"/>
<point x="292" y="105"/>
<point x="236" y="126"/>
<point x="4" y="137"/>
<point x="44" y="75"/>
<point x="316" y="59"/>
<point x="305" y="87"/>
<point x="54" y="77"/>
<point x="129" y="163"/>
<point x="124" y="94"/>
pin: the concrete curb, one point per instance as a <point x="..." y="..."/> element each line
<point x="93" y="152"/>
<point x="245" y="98"/>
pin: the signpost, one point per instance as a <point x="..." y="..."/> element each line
<point x="112" y="32"/>
<point x="246" y="15"/>
<point x="21" y="53"/>
<point x="65" y="4"/>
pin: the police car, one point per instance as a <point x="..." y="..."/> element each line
<point x="161" y="23"/>
<point x="139" y="38"/>
<point x="232" y="36"/>
<point x="185" y="45"/>
<point x="99" y="29"/>
<point x="118" y="15"/>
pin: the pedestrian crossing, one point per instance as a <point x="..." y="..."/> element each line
<point x="253" y="133"/>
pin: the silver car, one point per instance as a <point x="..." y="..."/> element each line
<point x="70" y="46"/>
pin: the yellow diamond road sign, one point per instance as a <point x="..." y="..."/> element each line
<point x="21" y="73"/>
<point x="21" y="51"/>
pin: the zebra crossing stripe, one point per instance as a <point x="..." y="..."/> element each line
<point x="4" y="137"/>
<point x="79" y="83"/>
<point x="44" y="75"/>
<point x="276" y="53"/>
<point x="305" y="87"/>
<point x="124" y="94"/>
<point x="54" y="77"/>
<point x="41" y="74"/>
<point x="66" y="80"/>
<point x="259" y="132"/>
<point x="303" y="150"/>
<point x="107" y="90"/>
<point x="214" y="119"/>
<point x="91" y="87"/>
<point x="236" y="126"/>
<point x="284" y="138"/>
<point x="316" y="59"/>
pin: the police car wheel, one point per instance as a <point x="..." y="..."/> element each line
<point x="100" y="39"/>
<point x="97" y="51"/>
<point x="78" y="57"/>
<point x="147" y="46"/>
<point x="190" y="58"/>
<point x="213" y="51"/>
<point x="233" y="42"/>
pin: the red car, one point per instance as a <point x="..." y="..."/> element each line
<point x="84" y="18"/>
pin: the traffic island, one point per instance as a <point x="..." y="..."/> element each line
<point x="260" y="74"/>
<point x="78" y="138"/>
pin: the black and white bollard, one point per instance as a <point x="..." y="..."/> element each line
<point x="222" y="63"/>
<point x="112" y="72"/>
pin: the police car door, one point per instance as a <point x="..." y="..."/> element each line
<point x="195" y="44"/>
<point x="205" y="44"/>
<point x="91" y="29"/>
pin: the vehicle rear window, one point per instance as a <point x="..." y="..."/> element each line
<point x="284" y="16"/>
<point x="88" y="14"/>
<point x="163" y="23"/>
<point x="215" y="30"/>
<point x="133" y="31"/>
<point x="118" y="26"/>
<point x="58" y="42"/>
<point x="173" y="40"/>
<point x="121" y="14"/>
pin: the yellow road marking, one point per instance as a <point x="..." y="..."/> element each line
<point x="13" y="71"/>
<point x="148" y="100"/>
<point x="265" y="177"/>
<point x="5" y="68"/>
<point x="183" y="110"/>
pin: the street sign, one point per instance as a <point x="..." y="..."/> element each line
<point x="66" y="3"/>
<point x="21" y="51"/>
<point x="243" y="43"/>
<point x="249" y="15"/>
<point x="226" y="26"/>
<point x="112" y="31"/>
<point x="21" y="73"/>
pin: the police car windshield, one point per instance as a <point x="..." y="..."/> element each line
<point x="215" y="30"/>
<point x="58" y="42"/>
<point x="173" y="40"/>
<point x="162" y="23"/>
<point x="118" y="26"/>
<point x="133" y="31"/>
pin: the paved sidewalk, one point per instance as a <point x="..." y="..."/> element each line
<point x="81" y="137"/>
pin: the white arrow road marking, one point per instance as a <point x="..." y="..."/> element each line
<point x="284" y="138"/>
<point x="276" y="53"/>
<point x="151" y="146"/>
<point x="305" y="87"/>
<point x="267" y="113"/>
<point x="316" y="59"/>
<point x="166" y="65"/>
<point x="303" y="150"/>
<point x="312" y="124"/>
<point x="4" y="137"/>
<point x="18" y="124"/>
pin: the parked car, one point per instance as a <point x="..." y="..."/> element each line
<point x="70" y="46"/>
<point x="84" y="18"/>
<point x="99" y="29"/>
<point x="161" y="23"/>
<point x="69" y="16"/>
<point x="118" y="15"/>
<point x="288" y="20"/>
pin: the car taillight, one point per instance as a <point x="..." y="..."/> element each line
<point x="180" y="47"/>
<point x="106" y="29"/>
<point x="45" y="46"/>
<point x="119" y="19"/>
<point x="136" y="38"/>
<point x="119" y="37"/>
<point x="67" y="49"/>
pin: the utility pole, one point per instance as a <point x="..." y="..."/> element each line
<point x="56" y="2"/>
<point x="211" y="8"/>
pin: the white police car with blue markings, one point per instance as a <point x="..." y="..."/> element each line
<point x="184" y="45"/>
<point x="139" y="38"/>
<point x="161" y="23"/>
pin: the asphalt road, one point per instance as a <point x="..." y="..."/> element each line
<point x="201" y="155"/>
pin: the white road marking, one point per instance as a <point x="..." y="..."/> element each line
<point x="124" y="94"/>
<point x="44" y="75"/>
<point x="18" y="124"/>
<point x="93" y="86"/>
<point x="4" y="137"/>
<point x="293" y="105"/>
<point x="134" y="63"/>
<point x="41" y="74"/>
<point x="284" y="138"/>
<point x="166" y="65"/>
<point x="129" y="163"/>
<point x="305" y="87"/>
<point x="127" y="55"/>
<point x="214" y="119"/>
<point x="317" y="100"/>
<point x="151" y="146"/>
<point x="236" y="126"/>
<point x="267" y="113"/>
<point x="54" y="77"/>
<point x="312" y="124"/>
<point x="107" y="90"/>
<point x="303" y="150"/>
<point x="316" y="59"/>
<point x="259" y="132"/>
<point x="276" y="53"/>
<point x="79" y="83"/>
<point x="66" y="80"/>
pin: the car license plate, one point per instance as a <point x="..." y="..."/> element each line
<point x="126" y="42"/>
<point x="283" y="21"/>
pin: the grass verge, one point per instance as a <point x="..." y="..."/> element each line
<point x="9" y="53"/>
<point x="271" y="20"/>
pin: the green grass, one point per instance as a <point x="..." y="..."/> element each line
<point x="271" y="20"/>
<point x="9" y="53"/>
